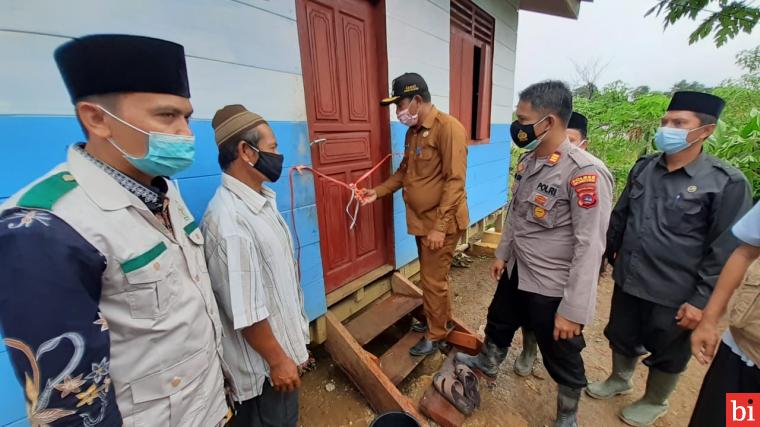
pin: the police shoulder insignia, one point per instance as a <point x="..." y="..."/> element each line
<point x="585" y="189"/>
<point x="583" y="179"/>
<point x="554" y="158"/>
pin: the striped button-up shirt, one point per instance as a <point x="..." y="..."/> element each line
<point x="253" y="273"/>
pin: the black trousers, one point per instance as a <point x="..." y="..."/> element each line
<point x="512" y="308"/>
<point x="727" y="374"/>
<point x="638" y="327"/>
<point x="269" y="409"/>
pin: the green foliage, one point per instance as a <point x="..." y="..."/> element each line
<point x="739" y="143"/>
<point x="725" y="19"/>
<point x="622" y="125"/>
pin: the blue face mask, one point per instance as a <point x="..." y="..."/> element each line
<point x="672" y="140"/>
<point x="167" y="154"/>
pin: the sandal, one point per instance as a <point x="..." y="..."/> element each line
<point x="453" y="390"/>
<point x="470" y="382"/>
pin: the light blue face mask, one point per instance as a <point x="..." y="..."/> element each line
<point x="167" y="154"/>
<point x="672" y="140"/>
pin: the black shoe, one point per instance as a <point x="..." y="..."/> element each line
<point x="422" y="326"/>
<point x="424" y="347"/>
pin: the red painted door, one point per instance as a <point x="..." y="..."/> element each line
<point x="343" y="57"/>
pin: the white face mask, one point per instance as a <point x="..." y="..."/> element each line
<point x="407" y="118"/>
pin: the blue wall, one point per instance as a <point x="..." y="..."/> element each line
<point x="487" y="177"/>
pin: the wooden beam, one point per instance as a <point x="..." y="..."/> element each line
<point x="468" y="343"/>
<point x="357" y="284"/>
<point x="318" y="331"/>
<point x="365" y="371"/>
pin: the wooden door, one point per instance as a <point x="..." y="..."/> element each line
<point x="343" y="57"/>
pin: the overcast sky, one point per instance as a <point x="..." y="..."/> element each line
<point x="636" y="49"/>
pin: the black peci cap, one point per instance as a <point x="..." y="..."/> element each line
<point x="697" y="102"/>
<point x="405" y="86"/>
<point x="578" y="121"/>
<point x="116" y="63"/>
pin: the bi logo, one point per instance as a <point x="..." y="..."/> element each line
<point x="740" y="409"/>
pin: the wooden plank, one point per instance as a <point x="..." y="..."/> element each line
<point x="435" y="406"/>
<point x="365" y="373"/>
<point x="466" y="342"/>
<point x="350" y="306"/>
<point x="380" y="316"/>
<point x="357" y="284"/>
<point x="397" y="363"/>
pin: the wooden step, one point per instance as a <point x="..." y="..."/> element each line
<point x="397" y="363"/>
<point x="379" y="317"/>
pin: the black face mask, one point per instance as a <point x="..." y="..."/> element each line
<point x="269" y="164"/>
<point x="525" y="135"/>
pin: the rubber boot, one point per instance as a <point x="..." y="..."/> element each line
<point x="654" y="404"/>
<point x="487" y="361"/>
<point x="567" y="406"/>
<point x="619" y="381"/>
<point x="526" y="359"/>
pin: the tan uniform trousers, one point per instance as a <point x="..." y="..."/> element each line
<point x="434" y="271"/>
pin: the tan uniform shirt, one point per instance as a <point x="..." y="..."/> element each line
<point x="558" y="217"/>
<point x="156" y="299"/>
<point x="433" y="176"/>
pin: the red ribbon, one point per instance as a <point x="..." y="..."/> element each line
<point x="357" y="196"/>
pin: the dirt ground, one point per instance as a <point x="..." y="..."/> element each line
<point x="328" y="399"/>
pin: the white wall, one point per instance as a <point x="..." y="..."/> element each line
<point x="505" y="46"/>
<point x="418" y="41"/>
<point x="238" y="51"/>
<point x="418" y="34"/>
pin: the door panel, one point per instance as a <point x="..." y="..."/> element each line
<point x="343" y="59"/>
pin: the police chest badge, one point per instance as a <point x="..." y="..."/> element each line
<point x="585" y="189"/>
<point x="539" y="212"/>
<point x="521" y="167"/>
<point x="522" y="136"/>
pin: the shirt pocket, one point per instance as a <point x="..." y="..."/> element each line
<point x="685" y="213"/>
<point x="175" y="391"/>
<point x="424" y="162"/>
<point x="745" y="309"/>
<point x="542" y="210"/>
<point x="150" y="283"/>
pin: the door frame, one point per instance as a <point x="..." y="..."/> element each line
<point x="381" y="45"/>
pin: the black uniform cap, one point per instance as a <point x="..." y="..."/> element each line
<point x="116" y="63"/>
<point x="406" y="85"/>
<point x="578" y="121"/>
<point x="697" y="102"/>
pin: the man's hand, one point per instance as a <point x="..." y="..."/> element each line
<point x="565" y="329"/>
<point x="434" y="240"/>
<point x="688" y="316"/>
<point x="284" y="375"/>
<point x="704" y="341"/>
<point x="497" y="269"/>
<point x="368" y="195"/>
